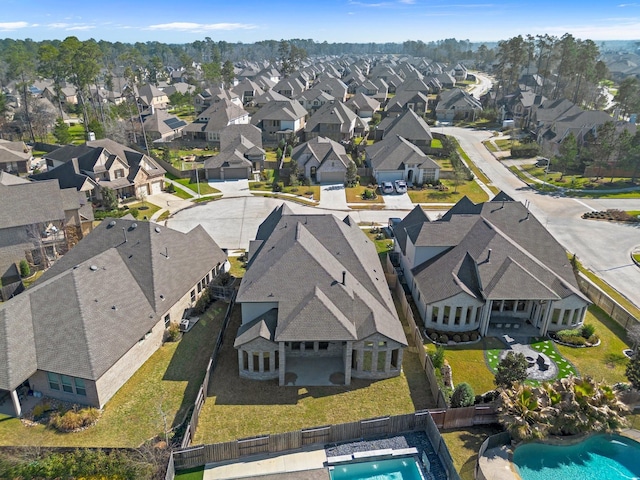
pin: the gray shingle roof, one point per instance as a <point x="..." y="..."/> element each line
<point x="297" y="248"/>
<point x="394" y="152"/>
<point x="31" y="202"/>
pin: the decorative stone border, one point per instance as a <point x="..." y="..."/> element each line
<point x="560" y="342"/>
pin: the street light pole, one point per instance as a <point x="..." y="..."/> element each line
<point x="198" y="181"/>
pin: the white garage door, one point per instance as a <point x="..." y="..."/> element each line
<point x="331" y="177"/>
<point x="156" y="187"/>
<point x="388" y="176"/>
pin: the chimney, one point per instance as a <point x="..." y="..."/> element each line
<point x="488" y="255"/>
<point x="344" y="277"/>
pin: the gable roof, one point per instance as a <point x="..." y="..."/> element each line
<point x="410" y="126"/>
<point x="322" y="149"/>
<point x="332" y="113"/>
<point x="298" y="247"/>
<point x="287" y="110"/>
<point x="394" y="152"/>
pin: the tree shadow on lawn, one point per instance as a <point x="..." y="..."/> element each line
<point x="189" y="361"/>
<point x="471" y="440"/>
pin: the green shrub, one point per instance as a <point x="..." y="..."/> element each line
<point x="277" y="187"/>
<point x="462" y="396"/>
<point x="443" y="339"/>
<point x="40" y="409"/>
<point x="434" y="336"/>
<point x="527" y="150"/>
<point x="25" y="269"/>
<point x="456" y="338"/>
<point x="465" y="337"/>
<point x="74" y="419"/>
<point x="294" y="190"/>
<point x="593" y="339"/>
<point x="134" y="212"/>
<point x="368" y="194"/>
<point x="474" y="336"/>
<point x="203" y="302"/>
<point x="170" y="188"/>
<point x="173" y="333"/>
<point x="587" y="330"/>
<point x="437" y="357"/>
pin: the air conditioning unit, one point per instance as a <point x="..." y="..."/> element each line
<point x="184" y="325"/>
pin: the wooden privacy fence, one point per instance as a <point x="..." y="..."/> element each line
<point x="201" y="398"/>
<point x="374" y="427"/>
<point x="616" y="311"/>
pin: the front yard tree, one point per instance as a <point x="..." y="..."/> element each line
<point x="61" y="132"/>
<point x="351" y="177"/>
<point x="109" y="199"/>
<point x="568" y="154"/>
<point x="228" y="74"/>
<point x="512" y="369"/>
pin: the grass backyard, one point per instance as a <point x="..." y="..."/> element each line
<point x="452" y="195"/>
<point x="239" y="408"/>
<point x="191" y="184"/>
<point x="463" y="444"/>
<point x="170" y="380"/>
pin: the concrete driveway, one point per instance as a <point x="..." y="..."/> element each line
<point x="232" y="188"/>
<point x="398" y="202"/>
<point x="333" y="196"/>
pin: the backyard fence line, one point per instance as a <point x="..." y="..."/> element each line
<point x="602" y="299"/>
<point x="424" y="420"/>
<point x="201" y="398"/>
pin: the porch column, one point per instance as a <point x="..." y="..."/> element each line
<point x="474" y="314"/>
<point x="272" y="361"/>
<point x="546" y="318"/>
<point x="347" y="363"/>
<point x="400" y="355"/>
<point x="428" y="313"/>
<point x="387" y="360"/>
<point x="463" y="315"/>
<point x="251" y="367"/>
<point x="374" y="360"/>
<point x="283" y="365"/>
<point x="261" y="362"/>
<point x="485" y="317"/>
<point x="240" y="362"/>
<point x="360" y="361"/>
<point x="16" y="403"/>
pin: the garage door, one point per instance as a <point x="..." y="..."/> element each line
<point x="156" y="187"/>
<point x="331" y="177"/>
<point x="388" y="176"/>
<point x="235" y="173"/>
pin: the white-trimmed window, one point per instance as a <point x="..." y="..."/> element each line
<point x="54" y="381"/>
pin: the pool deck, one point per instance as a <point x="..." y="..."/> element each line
<point x="303" y="465"/>
<point x="496" y="464"/>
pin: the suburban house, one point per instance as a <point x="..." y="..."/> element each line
<point x="407" y="100"/>
<point x="247" y="90"/>
<point x="408" y="125"/>
<point x="211" y="96"/>
<point x="313" y="99"/>
<point x="151" y="96"/>
<point x="158" y="125"/>
<point x="104" y="164"/>
<point x="334" y="120"/>
<point x="315" y="298"/>
<point x="39" y="221"/>
<point x="487" y="265"/>
<point x="456" y="104"/>
<point x="214" y="119"/>
<point x="322" y="160"/>
<point x="460" y="72"/>
<point x="280" y="120"/>
<point x="333" y="86"/>
<point x="247" y="139"/>
<point x="363" y="105"/>
<point x="396" y="158"/>
<point x="93" y="318"/>
<point x="15" y="157"/>
<point x="289" y="87"/>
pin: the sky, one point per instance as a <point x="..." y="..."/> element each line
<point x="361" y="21"/>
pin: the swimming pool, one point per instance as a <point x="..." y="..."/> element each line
<point x="395" y="469"/>
<point x="610" y="457"/>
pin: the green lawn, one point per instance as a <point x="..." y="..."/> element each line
<point x="606" y="361"/>
<point x="170" y="380"/>
<point x="477" y="172"/>
<point x="436" y="143"/>
<point x="463" y="445"/>
<point x="354" y="195"/>
<point x="452" y="195"/>
<point x="191" y="474"/>
<point x="469" y="365"/>
<point x="239" y="408"/>
<point x="490" y="146"/>
<point x="205" y="188"/>
<point x="145" y="209"/>
<point x="178" y="192"/>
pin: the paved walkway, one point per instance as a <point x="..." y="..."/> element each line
<point x="398" y="202"/>
<point x="232" y="188"/>
<point x="270" y="464"/>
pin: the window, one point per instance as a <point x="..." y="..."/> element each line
<point x="323" y="345"/>
<point x="54" y="382"/>
<point x="522" y="306"/>
<point x="445" y="317"/>
<point x="434" y="314"/>
<point x="308" y="345"/>
<point x="508" y="305"/>
<point x="556" y="316"/>
<point x="80" y="388"/>
<point x="66" y="384"/>
<point x="207" y="279"/>
<point x="467" y="320"/>
<point x="456" y="320"/>
<point x="167" y="320"/>
<point x="193" y="295"/>
<point x="119" y="173"/>
<point x="199" y="287"/>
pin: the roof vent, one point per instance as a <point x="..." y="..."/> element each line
<point x="134" y="226"/>
<point x="93" y="268"/>
<point x="114" y="307"/>
<point x="157" y="229"/>
<point x="112" y="223"/>
<point x="161" y="297"/>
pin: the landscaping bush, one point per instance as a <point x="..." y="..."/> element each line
<point x="527" y="150"/>
<point x="434" y="336"/>
<point x="203" y="302"/>
<point x="465" y="337"/>
<point x="437" y="357"/>
<point x="173" y="333"/>
<point x="277" y="187"/>
<point x="462" y="396"/>
<point x="170" y="188"/>
<point x="587" y="330"/>
<point x="474" y="336"/>
<point x="443" y="339"/>
<point x="74" y="419"/>
<point x="134" y="212"/>
<point x="368" y="194"/>
<point x="456" y="338"/>
<point x="25" y="269"/>
<point x="511" y="369"/>
<point x="40" y="409"/>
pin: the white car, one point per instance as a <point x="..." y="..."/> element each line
<point x="386" y="187"/>
<point x="401" y="186"/>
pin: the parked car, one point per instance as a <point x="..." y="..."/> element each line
<point x="387" y="187"/>
<point x="401" y="186"/>
<point x="542" y="162"/>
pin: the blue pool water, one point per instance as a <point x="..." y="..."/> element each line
<point x="608" y="457"/>
<point x="396" y="469"/>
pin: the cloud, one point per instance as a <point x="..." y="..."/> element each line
<point x="7" y="26"/>
<point x="81" y="27"/>
<point x="199" y="27"/>
<point x="623" y="5"/>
